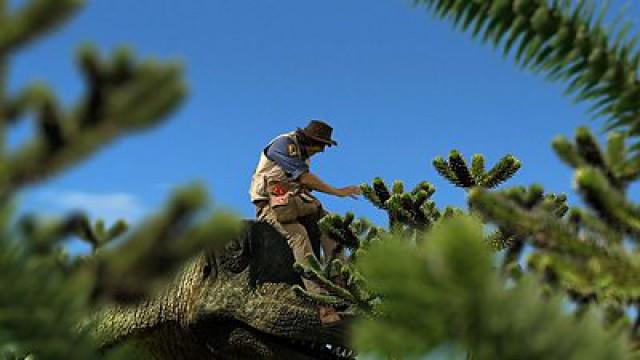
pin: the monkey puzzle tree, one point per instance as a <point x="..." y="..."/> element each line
<point x="428" y="283"/>
<point x="429" y="279"/>
<point x="47" y="295"/>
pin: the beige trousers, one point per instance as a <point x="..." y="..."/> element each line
<point x="299" y="242"/>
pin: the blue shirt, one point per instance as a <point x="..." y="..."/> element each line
<point x="286" y="154"/>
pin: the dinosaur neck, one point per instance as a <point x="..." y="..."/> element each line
<point x="173" y="308"/>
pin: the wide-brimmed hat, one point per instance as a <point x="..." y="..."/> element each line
<point x="319" y="131"/>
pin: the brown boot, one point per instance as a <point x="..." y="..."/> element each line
<point x="329" y="316"/>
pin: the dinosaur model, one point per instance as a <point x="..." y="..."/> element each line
<point x="236" y="303"/>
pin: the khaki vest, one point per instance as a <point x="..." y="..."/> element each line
<point x="268" y="171"/>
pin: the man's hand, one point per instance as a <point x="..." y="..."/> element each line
<point x="314" y="183"/>
<point x="351" y="191"/>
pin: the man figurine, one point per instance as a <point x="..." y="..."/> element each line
<point x="280" y="190"/>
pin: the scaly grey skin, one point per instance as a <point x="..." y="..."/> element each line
<point x="235" y="304"/>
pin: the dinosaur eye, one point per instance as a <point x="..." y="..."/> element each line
<point x="206" y="270"/>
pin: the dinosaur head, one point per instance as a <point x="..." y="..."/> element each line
<point x="246" y="308"/>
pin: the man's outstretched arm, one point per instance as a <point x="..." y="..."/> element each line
<point x="313" y="182"/>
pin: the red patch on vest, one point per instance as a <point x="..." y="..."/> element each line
<point x="278" y="190"/>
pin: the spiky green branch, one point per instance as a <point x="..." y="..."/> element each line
<point x="565" y="40"/>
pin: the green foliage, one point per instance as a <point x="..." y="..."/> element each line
<point x="428" y="280"/>
<point x="436" y="285"/>
<point x="345" y="286"/>
<point x="459" y="174"/>
<point x="34" y="19"/>
<point x="570" y="258"/>
<point x="122" y="97"/>
<point x="583" y="263"/>
<point x="49" y="296"/>
<point x="606" y="201"/>
<point x="153" y="252"/>
<point x="445" y="291"/>
<point x="409" y="208"/>
<point x="349" y="290"/>
<point x="411" y="215"/>
<point x="614" y="162"/>
<point x="565" y="40"/>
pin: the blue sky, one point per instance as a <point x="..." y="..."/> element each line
<point x="398" y="86"/>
